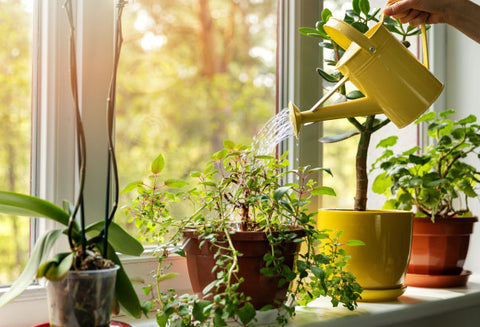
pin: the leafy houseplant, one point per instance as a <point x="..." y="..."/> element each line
<point x="360" y="223"/>
<point x="438" y="183"/>
<point x="359" y="17"/>
<point x="92" y="248"/>
<point x="238" y="197"/>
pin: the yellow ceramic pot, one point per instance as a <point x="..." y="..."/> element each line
<point x="380" y="266"/>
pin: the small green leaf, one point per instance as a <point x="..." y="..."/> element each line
<point x="429" y="116"/>
<point x="195" y="174"/>
<point x="468" y="120"/>
<point x="387" y="142"/>
<point x="363" y="28"/>
<point x="446" y="113"/>
<point x="381" y="183"/>
<point x="326" y="76"/>
<point x="131" y="186"/>
<point x="198" y="310"/>
<point x="326" y="14"/>
<point x="218" y="321"/>
<point x="356" y="6"/>
<point x="467" y="188"/>
<point x="280" y="192"/>
<point x="175" y="183"/>
<point x="158" y="164"/>
<point x="246" y="313"/>
<point x="308" y="31"/>
<point x="355" y="243"/>
<point x="57" y="268"/>
<point x="323" y="190"/>
<point x="364" y="6"/>
<point x="355" y="95"/>
<point x="179" y="251"/>
<point x="229" y="144"/>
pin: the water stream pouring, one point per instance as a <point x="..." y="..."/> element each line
<point x="393" y="81"/>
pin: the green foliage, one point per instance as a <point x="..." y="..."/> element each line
<point x="360" y="16"/>
<point x="56" y="268"/>
<point x="239" y="191"/>
<point x="437" y="181"/>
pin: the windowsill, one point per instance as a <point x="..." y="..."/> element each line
<point x="417" y="307"/>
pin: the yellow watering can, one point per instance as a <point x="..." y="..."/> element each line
<point x="393" y="81"/>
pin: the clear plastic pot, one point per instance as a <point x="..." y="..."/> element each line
<point x="82" y="298"/>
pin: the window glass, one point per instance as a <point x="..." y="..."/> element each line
<point x="192" y="74"/>
<point x="15" y="76"/>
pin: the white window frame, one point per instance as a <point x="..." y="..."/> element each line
<point x="54" y="162"/>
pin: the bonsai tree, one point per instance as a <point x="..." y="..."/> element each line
<point x="92" y="247"/>
<point x="437" y="180"/>
<point x="359" y="17"/>
<point x="238" y="192"/>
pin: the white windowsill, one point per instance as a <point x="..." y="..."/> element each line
<point x="417" y="307"/>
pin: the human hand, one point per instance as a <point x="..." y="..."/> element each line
<point x="416" y="12"/>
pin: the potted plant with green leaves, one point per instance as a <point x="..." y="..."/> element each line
<point x="387" y="234"/>
<point x="437" y="182"/>
<point x="84" y="281"/>
<point x="241" y="235"/>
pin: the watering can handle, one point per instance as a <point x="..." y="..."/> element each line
<point x="343" y="34"/>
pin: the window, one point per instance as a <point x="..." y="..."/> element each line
<point x="192" y="74"/>
<point x="15" y="76"/>
<point x="170" y="97"/>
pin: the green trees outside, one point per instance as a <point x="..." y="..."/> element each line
<point x="192" y="74"/>
<point x="15" y="75"/>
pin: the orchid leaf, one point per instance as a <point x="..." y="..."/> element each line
<point x="120" y="240"/>
<point x="124" y="291"/>
<point x="40" y="252"/>
<point x="29" y="206"/>
<point x="57" y="268"/>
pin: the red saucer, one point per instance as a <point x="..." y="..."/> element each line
<point x="113" y="323"/>
<point x="437" y="281"/>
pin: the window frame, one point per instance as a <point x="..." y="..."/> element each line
<point x="53" y="157"/>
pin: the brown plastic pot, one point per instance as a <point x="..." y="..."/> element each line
<point x="252" y="245"/>
<point x="440" y="248"/>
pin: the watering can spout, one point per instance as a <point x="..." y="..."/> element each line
<point x="359" y="107"/>
<point x="393" y="81"/>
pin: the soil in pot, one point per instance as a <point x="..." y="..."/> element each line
<point x="252" y="245"/>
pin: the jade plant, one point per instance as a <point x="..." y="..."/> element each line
<point x="239" y="191"/>
<point x="92" y="247"/>
<point x="437" y="180"/>
<point x="359" y="17"/>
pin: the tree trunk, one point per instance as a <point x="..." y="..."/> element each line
<point x="209" y="56"/>
<point x="361" y="171"/>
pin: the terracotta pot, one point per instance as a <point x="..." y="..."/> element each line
<point x="252" y="245"/>
<point x="379" y="266"/>
<point x="440" y="248"/>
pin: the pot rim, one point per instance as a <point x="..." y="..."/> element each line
<point x="459" y="220"/>
<point x="244" y="235"/>
<point x="368" y="211"/>
<point x="94" y="272"/>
